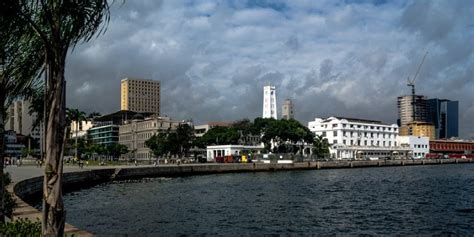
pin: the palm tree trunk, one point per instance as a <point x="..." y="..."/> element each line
<point x="77" y="131"/>
<point x="53" y="212"/>
<point x="2" y="155"/>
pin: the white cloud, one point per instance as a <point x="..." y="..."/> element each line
<point x="331" y="58"/>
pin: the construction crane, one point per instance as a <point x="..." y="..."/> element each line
<point x="412" y="84"/>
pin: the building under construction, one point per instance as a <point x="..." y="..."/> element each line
<point x="405" y="109"/>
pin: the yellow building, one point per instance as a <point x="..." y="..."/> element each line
<point x="140" y="95"/>
<point x="420" y="129"/>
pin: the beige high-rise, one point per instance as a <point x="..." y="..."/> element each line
<point x="140" y="95"/>
<point x="287" y="110"/>
<point x="405" y="109"/>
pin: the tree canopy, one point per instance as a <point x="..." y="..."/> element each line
<point x="172" y="142"/>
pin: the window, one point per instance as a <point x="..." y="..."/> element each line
<point x="335" y="133"/>
<point x="344" y="142"/>
<point x="334" y="142"/>
<point x="344" y="133"/>
<point x="365" y="143"/>
<point x="324" y="134"/>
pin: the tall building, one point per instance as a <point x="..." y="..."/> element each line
<point x="405" y="109"/>
<point x="444" y="114"/>
<point x="269" y="102"/>
<point x="21" y="121"/>
<point x="352" y="138"/>
<point x="287" y="110"/>
<point x="140" y="95"/>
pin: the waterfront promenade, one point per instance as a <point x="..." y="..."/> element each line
<point x="27" y="180"/>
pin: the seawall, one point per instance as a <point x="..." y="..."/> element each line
<point x="28" y="191"/>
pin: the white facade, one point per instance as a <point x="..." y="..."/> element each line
<point x="420" y="146"/>
<point x="80" y="128"/>
<point x="358" y="138"/>
<point x="269" y="102"/>
<point x="228" y="150"/>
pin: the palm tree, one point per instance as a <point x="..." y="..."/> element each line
<point x="60" y="25"/>
<point x="93" y="115"/>
<point x="321" y="146"/>
<point x="20" y="63"/>
<point x="77" y="116"/>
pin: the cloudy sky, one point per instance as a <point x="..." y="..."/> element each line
<point x="346" y="58"/>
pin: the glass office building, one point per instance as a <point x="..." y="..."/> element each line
<point x="444" y="114"/>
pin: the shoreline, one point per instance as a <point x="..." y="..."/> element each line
<point x="26" y="191"/>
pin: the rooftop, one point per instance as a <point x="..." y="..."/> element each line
<point x="355" y="120"/>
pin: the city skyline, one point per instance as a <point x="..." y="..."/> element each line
<point x="331" y="58"/>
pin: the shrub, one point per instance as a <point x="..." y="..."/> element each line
<point x="21" y="227"/>
<point x="8" y="197"/>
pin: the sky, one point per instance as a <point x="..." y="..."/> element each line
<point x="331" y="58"/>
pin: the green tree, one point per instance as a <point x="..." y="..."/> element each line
<point x="93" y="115"/>
<point x="116" y="150"/>
<point x="221" y="136"/>
<point x="285" y="134"/>
<point x="158" y="144"/>
<point x="320" y="146"/>
<point x="20" y="63"/>
<point x="185" y="138"/>
<point x="59" y="26"/>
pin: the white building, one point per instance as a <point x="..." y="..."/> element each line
<point x="229" y="150"/>
<point x="420" y="146"/>
<point x="352" y="138"/>
<point x="80" y="128"/>
<point x="269" y="102"/>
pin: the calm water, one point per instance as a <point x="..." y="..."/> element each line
<point x="374" y="201"/>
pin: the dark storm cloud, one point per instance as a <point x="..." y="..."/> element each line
<point x="348" y="58"/>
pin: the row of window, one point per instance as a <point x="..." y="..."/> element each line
<point x="377" y="128"/>
<point x="102" y="135"/>
<point x="459" y="147"/>
<point x="365" y="134"/>
<point x="366" y="143"/>
<point x="419" y="154"/>
<point x="420" y="146"/>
